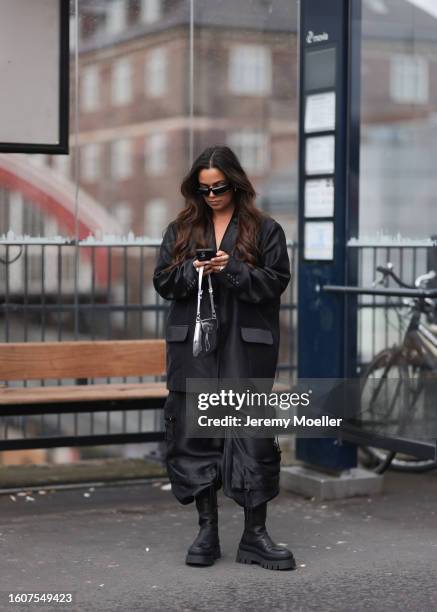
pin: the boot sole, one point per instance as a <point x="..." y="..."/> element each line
<point x="244" y="556"/>
<point x="203" y="559"/>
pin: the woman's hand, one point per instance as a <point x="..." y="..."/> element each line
<point x="202" y="264"/>
<point x="216" y="264"/>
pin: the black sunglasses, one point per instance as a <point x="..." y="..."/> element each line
<point x="204" y="190"/>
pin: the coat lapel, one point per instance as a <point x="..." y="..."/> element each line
<point x="229" y="237"/>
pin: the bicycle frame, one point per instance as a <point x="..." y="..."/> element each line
<point x="412" y="381"/>
<point x="422" y="338"/>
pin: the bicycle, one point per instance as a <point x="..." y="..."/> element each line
<point x="398" y="387"/>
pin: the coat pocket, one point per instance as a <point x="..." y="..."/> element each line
<point x="257" y="335"/>
<point x="176" y="333"/>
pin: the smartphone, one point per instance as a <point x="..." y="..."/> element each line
<point x="205" y="254"/>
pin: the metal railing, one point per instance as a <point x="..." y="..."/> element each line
<point x="380" y="327"/>
<point x="113" y="297"/>
<point x="377" y="321"/>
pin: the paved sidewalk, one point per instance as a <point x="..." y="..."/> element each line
<point x="123" y="548"/>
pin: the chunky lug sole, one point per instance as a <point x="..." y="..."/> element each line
<point x="204" y="558"/>
<point x="246" y="556"/>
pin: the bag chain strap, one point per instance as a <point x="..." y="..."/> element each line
<point x="200" y="292"/>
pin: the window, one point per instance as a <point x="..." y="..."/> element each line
<point x="251" y="147"/>
<point x="250" y="68"/>
<point x="150" y="11"/>
<point x="61" y="164"/>
<point x="409" y="79"/>
<point x="90" y="162"/>
<point x="121" y="159"/>
<point x="15" y="209"/>
<point x="121" y="82"/>
<point x="39" y="159"/>
<point x="377" y="6"/>
<point x="115" y="16"/>
<point x="155" y="217"/>
<point x="124" y="216"/>
<point x="90" y="88"/>
<point x="155" y="74"/>
<point x="72" y="33"/>
<point x="156" y="153"/>
<point x="33" y="219"/>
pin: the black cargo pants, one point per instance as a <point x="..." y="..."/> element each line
<point x="247" y="468"/>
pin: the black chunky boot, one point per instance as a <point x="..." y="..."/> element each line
<point x="206" y="547"/>
<point x="256" y="546"/>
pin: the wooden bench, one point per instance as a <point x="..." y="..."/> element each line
<point x="81" y="360"/>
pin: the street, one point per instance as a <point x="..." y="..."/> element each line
<point x="123" y="548"/>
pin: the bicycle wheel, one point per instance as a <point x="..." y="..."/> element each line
<point x="393" y="402"/>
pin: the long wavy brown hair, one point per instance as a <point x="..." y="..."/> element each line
<point x="192" y="222"/>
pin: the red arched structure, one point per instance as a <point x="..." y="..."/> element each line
<point x="55" y="196"/>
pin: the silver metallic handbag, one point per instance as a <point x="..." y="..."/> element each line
<point x="206" y="330"/>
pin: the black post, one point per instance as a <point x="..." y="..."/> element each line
<point x="329" y="132"/>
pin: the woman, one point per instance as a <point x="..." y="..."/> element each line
<point x="249" y="272"/>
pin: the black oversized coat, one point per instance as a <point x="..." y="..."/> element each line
<point x="247" y="302"/>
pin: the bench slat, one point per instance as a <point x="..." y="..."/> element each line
<point x="81" y="359"/>
<point x="80" y="393"/>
